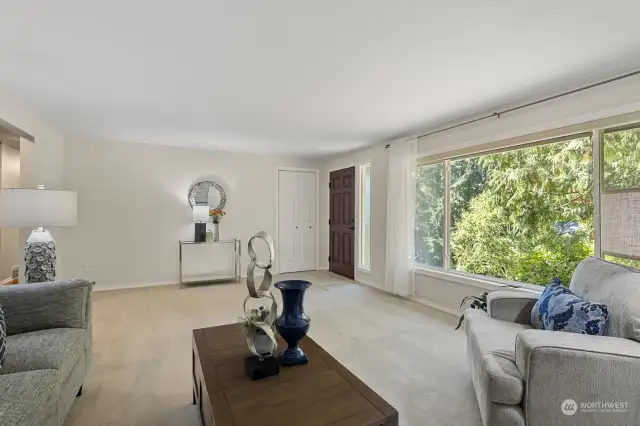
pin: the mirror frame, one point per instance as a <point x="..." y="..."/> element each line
<point x="207" y="184"/>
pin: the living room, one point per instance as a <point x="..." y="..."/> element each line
<point x="448" y="191"/>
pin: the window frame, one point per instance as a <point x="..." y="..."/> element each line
<point x="360" y="215"/>
<point x="488" y="282"/>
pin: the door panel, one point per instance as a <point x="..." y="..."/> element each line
<point x="296" y="221"/>
<point x="342" y="221"/>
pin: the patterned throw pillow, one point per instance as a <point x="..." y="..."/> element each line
<point x="3" y="337"/>
<point x="560" y="309"/>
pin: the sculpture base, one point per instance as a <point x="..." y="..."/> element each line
<point x="257" y="368"/>
<point x="293" y="356"/>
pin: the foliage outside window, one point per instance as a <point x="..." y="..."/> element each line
<point x="622" y="159"/>
<point x="365" y="217"/>
<point x="429" y="232"/>
<point x="523" y="215"/>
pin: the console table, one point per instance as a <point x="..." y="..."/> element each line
<point x="206" y="277"/>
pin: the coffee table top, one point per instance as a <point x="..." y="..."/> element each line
<point x="322" y="392"/>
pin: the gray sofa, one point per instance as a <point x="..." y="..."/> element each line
<point x="48" y="350"/>
<point x="523" y="376"/>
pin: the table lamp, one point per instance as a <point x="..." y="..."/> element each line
<point x="20" y="208"/>
<point x="200" y="218"/>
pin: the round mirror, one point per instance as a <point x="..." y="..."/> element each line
<point x="207" y="193"/>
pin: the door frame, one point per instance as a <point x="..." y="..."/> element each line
<point x="356" y="233"/>
<point x="316" y="173"/>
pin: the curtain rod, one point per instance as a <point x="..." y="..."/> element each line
<point x="499" y="113"/>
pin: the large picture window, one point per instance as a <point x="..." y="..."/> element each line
<point x="523" y="214"/>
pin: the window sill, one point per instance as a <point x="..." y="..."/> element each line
<point x="474" y="280"/>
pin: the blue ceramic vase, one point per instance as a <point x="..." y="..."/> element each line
<point x="293" y="324"/>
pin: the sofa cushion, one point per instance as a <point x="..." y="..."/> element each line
<point x="491" y="347"/>
<point x="29" y="398"/>
<point x="57" y="348"/>
<point x="3" y="338"/>
<point x="616" y="286"/>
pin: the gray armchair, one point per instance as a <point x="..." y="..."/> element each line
<point x="48" y="350"/>
<point x="523" y="376"/>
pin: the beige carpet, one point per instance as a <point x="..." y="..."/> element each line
<point x="141" y="372"/>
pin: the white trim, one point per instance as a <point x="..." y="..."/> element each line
<point x="460" y="279"/>
<point x="548" y="126"/>
<point x="316" y="172"/>
<point x="357" y="212"/>
<point x="364" y="271"/>
<point x="446" y="247"/>
<point x="97" y="287"/>
<point x="437" y="306"/>
<point x="475" y="280"/>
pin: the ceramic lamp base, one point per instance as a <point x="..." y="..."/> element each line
<point x="40" y="257"/>
<point x="293" y="356"/>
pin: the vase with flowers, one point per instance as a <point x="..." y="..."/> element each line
<point x="216" y="216"/>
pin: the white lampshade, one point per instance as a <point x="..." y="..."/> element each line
<point x="200" y="213"/>
<point x="21" y="208"/>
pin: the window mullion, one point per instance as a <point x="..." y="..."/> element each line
<point x="447" y="214"/>
<point x="598" y="157"/>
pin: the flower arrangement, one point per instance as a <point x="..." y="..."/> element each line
<point x="257" y="315"/>
<point x="216" y="215"/>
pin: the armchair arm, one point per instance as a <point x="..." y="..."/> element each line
<point x="590" y="370"/>
<point x="511" y="305"/>
<point x="30" y="307"/>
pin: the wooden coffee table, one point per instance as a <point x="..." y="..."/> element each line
<point x="323" y="392"/>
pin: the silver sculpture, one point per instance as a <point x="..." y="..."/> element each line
<point x="258" y="322"/>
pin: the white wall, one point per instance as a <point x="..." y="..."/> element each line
<point x="440" y="290"/>
<point x="377" y="157"/>
<point x="40" y="163"/>
<point x="133" y="208"/>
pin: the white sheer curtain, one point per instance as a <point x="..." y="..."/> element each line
<point x="401" y="206"/>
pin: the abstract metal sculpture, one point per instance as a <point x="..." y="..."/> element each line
<point x="260" y="327"/>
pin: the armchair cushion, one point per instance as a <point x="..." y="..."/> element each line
<point x="54" y="349"/>
<point x="512" y="305"/>
<point x="559" y="309"/>
<point x="490" y="349"/>
<point x="3" y="338"/>
<point x="560" y="366"/>
<point x="616" y="286"/>
<point x="60" y="304"/>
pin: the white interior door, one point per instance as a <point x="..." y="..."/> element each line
<point x="296" y="221"/>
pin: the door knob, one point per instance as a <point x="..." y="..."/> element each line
<point x="352" y="227"/>
<point x="296" y="227"/>
<point x="309" y="227"/>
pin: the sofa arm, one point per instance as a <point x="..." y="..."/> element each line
<point x="601" y="374"/>
<point x="511" y="305"/>
<point x="30" y="307"/>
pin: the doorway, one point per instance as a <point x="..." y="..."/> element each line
<point x="297" y="243"/>
<point x="342" y="206"/>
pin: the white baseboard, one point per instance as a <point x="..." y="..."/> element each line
<point x="437" y="306"/>
<point x="132" y="285"/>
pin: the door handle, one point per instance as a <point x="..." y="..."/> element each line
<point x="352" y="227"/>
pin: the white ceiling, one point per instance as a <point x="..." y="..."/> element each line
<point x="295" y="76"/>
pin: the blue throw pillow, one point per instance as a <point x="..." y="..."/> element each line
<point x="560" y="309"/>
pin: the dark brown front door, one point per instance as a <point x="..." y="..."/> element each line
<point x="342" y="203"/>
